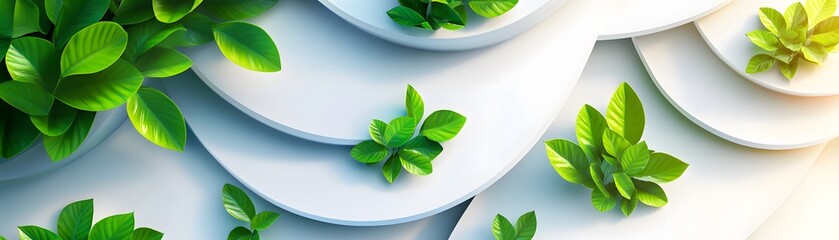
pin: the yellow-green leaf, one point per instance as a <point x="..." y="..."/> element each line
<point x="368" y="152"/>
<point x="93" y="49"/>
<point x="248" y="46"/>
<point x="625" y="114"/>
<point x="760" y="63"/>
<point x="157" y="118"/>
<point x="492" y="8"/>
<point x="169" y="11"/>
<point x="162" y="62"/>
<point x="772" y="20"/>
<point x="415" y="163"/>
<point x="650" y="193"/>
<point x="569" y="161"/>
<point x="818" y="10"/>
<point x="764" y="39"/>
<point x="100" y="91"/>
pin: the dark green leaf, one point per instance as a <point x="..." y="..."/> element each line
<point x="369" y="152"/>
<point x="117" y="227"/>
<point x="399" y="131"/>
<point x="143" y="37"/>
<point x="625" y="114"/>
<point x="238" y="204"/>
<point x="27" y="18"/>
<point x="624" y="185"/>
<point x="33" y="60"/>
<point x="93" y="49"/>
<point x="52" y="8"/>
<point x="414" y="104"/>
<point x="760" y="63"/>
<point x="589" y="128"/>
<point x="429" y="149"/>
<point x="569" y="161"/>
<point x="75" y="15"/>
<point x="492" y="8"/>
<point x="146" y="234"/>
<point x="526" y="226"/>
<point x="17" y="131"/>
<point x="36" y="233"/>
<point x="664" y="167"/>
<point x="377" y="131"/>
<point x="447" y="16"/>
<point x="169" y="11"/>
<point x="199" y="30"/>
<point x="442" y="125"/>
<point x="392" y="168"/>
<point x="57" y="122"/>
<point x="414" y="162"/>
<point x="75" y="220"/>
<point x="162" y="63"/>
<point x="264" y="220"/>
<point x="237" y="9"/>
<point x="628" y="205"/>
<point x="62" y="146"/>
<point x="134" y="12"/>
<point x="248" y="46"/>
<point x="27" y="97"/>
<point x="100" y="91"/>
<point x="650" y="193"/>
<point x="157" y="118"/>
<point x="406" y="17"/>
<point x="240" y="233"/>
<point x="502" y="229"/>
<point x="7" y="20"/>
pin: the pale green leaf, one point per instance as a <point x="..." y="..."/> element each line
<point x="664" y="167"/>
<point x="133" y="12"/>
<point x="819" y="10"/>
<point x="794" y="38"/>
<point x="162" y="63"/>
<point x="650" y="194"/>
<point x="93" y="49"/>
<point x="773" y="20"/>
<point x="392" y="168"/>
<point x="117" y="227"/>
<point x="760" y="63"/>
<point x="399" y="131"/>
<point x="36" y="233"/>
<point x="635" y="158"/>
<point x="502" y="228"/>
<point x="442" y="125"/>
<point x="815" y="53"/>
<point x="625" y="114"/>
<point x="237" y="203"/>
<point x="27" y="97"/>
<point x="796" y="16"/>
<point x="426" y="147"/>
<point x="526" y="226"/>
<point x="415" y="163"/>
<point x="624" y="185"/>
<point x="75" y="220"/>
<point x="377" y="131"/>
<point x="157" y="118"/>
<point x="414" y="104"/>
<point x="569" y="161"/>
<point x="628" y="205"/>
<point x="789" y="70"/>
<point x="602" y="202"/>
<point x="62" y="146"/>
<point x="492" y="8"/>
<point x="34" y="60"/>
<point x="248" y="46"/>
<point x="74" y="15"/>
<point x="100" y="91"/>
<point x="57" y="122"/>
<point x="764" y="39"/>
<point x="237" y="9"/>
<point x="264" y="220"/>
<point x="589" y="128"/>
<point x="369" y="152"/>
<point x="169" y="11"/>
<point x="827" y="32"/>
<point x="784" y="55"/>
<point x="144" y="233"/>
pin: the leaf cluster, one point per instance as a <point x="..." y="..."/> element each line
<point x="75" y="220"/>
<point x="524" y="229"/>
<point x="610" y="160"/>
<point x="804" y="32"/>
<point x="395" y="140"/>
<point x="448" y="14"/>
<point x="61" y="61"/>
<point x="239" y="205"/>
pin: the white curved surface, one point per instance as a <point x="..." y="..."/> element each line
<point x="371" y="16"/>
<point x="336" y="79"/>
<point x="632" y="18"/>
<point x="725" y="31"/>
<point x="726" y="193"/>
<point x="715" y="97"/>
<point x="35" y="160"/>
<point x="322" y="182"/>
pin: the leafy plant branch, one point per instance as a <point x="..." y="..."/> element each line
<point x="448" y="14"/>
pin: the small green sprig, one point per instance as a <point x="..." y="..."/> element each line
<point x="393" y="141"/>
<point x="75" y="220"/>
<point x="525" y="227"/>
<point x="610" y="160"/>
<point x="240" y="206"/>
<point x="805" y="31"/>
<point x="448" y="14"/>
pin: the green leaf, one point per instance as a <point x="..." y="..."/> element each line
<point x="17" y="131"/>
<point x="162" y="63"/>
<point x="369" y="152"/>
<point x="93" y="49"/>
<point x="650" y="194"/>
<point x="143" y="37"/>
<point x="247" y="46"/>
<point x="57" y="122"/>
<point x="784" y="55"/>
<point x="4" y="47"/>
<point x="614" y="143"/>
<point x="417" y="5"/>
<point x="392" y="168"/>
<point x="602" y="202"/>
<point x="399" y="131"/>
<point x="526" y="226"/>
<point x="75" y="220"/>
<point x="569" y="161"/>
<point x="502" y="229"/>
<point x="760" y="63"/>
<point x="74" y="15"/>
<point x="625" y="114"/>
<point x="199" y="30"/>
<point x="426" y="147"/>
<point x="773" y="20"/>
<point x="492" y="8"/>
<point x="406" y="16"/>
<point x="237" y="9"/>
<point x="794" y="38"/>
<point x="764" y="39"/>
<point x="611" y="161"/>
<point x="442" y="125"/>
<point x="52" y="8"/>
<point x="597" y="176"/>
<point x="27" y="97"/>
<point x="7" y="20"/>
<point x="36" y="233"/>
<point x="27" y="18"/>
<point x="240" y="233"/>
<point x="589" y="128"/>
<point x="447" y="16"/>
<point x="815" y="53"/>
<point x="635" y="158"/>
<point x="238" y="204"/>
<point x="819" y="10"/>
<point x="790" y="69"/>
<point x="144" y="233"/>
<point x="34" y="60"/>
<point x="169" y="11"/>
<point x="624" y="185"/>
<point x="117" y="227"/>
<point x="377" y="131"/>
<point x="609" y="167"/>
<point x="415" y="163"/>
<point x="796" y="16"/>
<point x="133" y="12"/>
<point x="157" y="118"/>
<point x="62" y="146"/>
<point x="628" y="205"/>
<point x="264" y="220"/>
<point x="414" y="104"/>
<point x="100" y="91"/>
<point x="827" y="32"/>
<point x="664" y="167"/>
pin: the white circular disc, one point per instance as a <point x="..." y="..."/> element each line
<point x="632" y="18"/>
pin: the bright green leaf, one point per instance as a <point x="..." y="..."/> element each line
<point x="377" y="131"/>
<point x="27" y="97"/>
<point x="392" y="168"/>
<point x="134" y="12"/>
<point x="664" y="167"/>
<point x="526" y="226"/>
<point x="415" y="163"/>
<point x="628" y="205"/>
<point x="57" y="122"/>
<point x="117" y="227"/>
<point x="369" y="152"/>
<point x="597" y="177"/>
<point x="414" y="104"/>
<point x="93" y="49"/>
<point x="62" y="146"/>
<point x="237" y="9"/>
<point x="144" y="233"/>
<point x="625" y="114"/>
<point x="157" y="118"/>
<point x="27" y="18"/>
<point x="143" y="37"/>
<point x="75" y="220"/>
<point x="169" y="11"/>
<point x="650" y="194"/>
<point x="240" y="233"/>
<point x="773" y="20"/>
<point x="492" y="8"/>
<point x="406" y="17"/>
<point x="602" y="202"/>
<point x="760" y="63"/>
<point x="34" y="60"/>
<point x="426" y="147"/>
<point x="815" y="53"/>
<point x="247" y="46"/>
<point x="609" y="160"/>
<point x="502" y="228"/>
<point x="614" y="143"/>
<point x="237" y="203"/>
<point x="74" y="15"/>
<point x="624" y="185"/>
<point x="790" y="69"/>
<point x="17" y="131"/>
<point x="100" y="91"/>
<point x="589" y="128"/>
<point x="442" y="125"/>
<point x="569" y="161"/>
<point x="819" y="10"/>
<point x="399" y="131"/>
<point x="162" y="63"/>
<point x="764" y="39"/>
<point x="635" y="158"/>
<point x="36" y="233"/>
<point x="264" y="220"/>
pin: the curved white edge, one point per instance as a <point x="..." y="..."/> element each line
<point x="471" y="42"/>
<point x="820" y="92"/>
<point x="274" y="124"/>
<point x="659" y="28"/>
<point x="754" y="143"/>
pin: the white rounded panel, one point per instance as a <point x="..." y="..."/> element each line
<point x="632" y="18"/>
